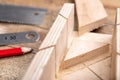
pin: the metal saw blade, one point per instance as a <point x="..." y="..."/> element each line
<point x="21" y="14"/>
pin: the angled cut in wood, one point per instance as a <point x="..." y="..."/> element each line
<point x="67" y="12"/>
<point x="115" y="67"/>
<point x="91" y="14"/>
<point x="86" y="47"/>
<point x="42" y="66"/>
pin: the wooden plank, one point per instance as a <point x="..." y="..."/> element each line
<point x="118" y="68"/>
<point x="115" y="47"/>
<point x="97" y="59"/>
<point x="42" y="66"/>
<point x="97" y="37"/>
<point x="57" y="37"/>
<point x="91" y="14"/>
<point x="84" y="49"/>
<point x="118" y="31"/>
<point x="67" y="12"/>
<point x="118" y="45"/>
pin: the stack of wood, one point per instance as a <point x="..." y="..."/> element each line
<point x="63" y="47"/>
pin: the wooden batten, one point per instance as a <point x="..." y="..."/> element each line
<point x="118" y="67"/>
<point x="42" y="66"/>
<point x="115" y="66"/>
<point x="57" y="37"/>
<point x="67" y="12"/>
<point x="86" y="47"/>
<point x="118" y="45"/>
<point x="91" y="14"/>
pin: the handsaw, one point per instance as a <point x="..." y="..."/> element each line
<point x="21" y="14"/>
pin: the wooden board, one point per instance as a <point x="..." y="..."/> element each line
<point x="87" y="47"/>
<point x="102" y="69"/>
<point x="61" y="32"/>
<point x="118" y="67"/>
<point x="42" y="66"/>
<point x="116" y="49"/>
<point x="57" y="37"/>
<point x="91" y="14"/>
<point x="111" y="3"/>
<point x="67" y="12"/>
<point x="96" y="37"/>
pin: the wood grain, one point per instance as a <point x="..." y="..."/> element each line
<point x="57" y="37"/>
<point x="42" y="66"/>
<point x="67" y="12"/>
<point x="115" y="48"/>
<point x="102" y="69"/>
<point x="90" y="14"/>
<point x="86" y="48"/>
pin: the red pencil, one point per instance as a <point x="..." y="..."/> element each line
<point x="14" y="51"/>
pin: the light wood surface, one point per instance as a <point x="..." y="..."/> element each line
<point x="67" y="12"/>
<point x="102" y="69"/>
<point x="21" y="63"/>
<point x="57" y="37"/>
<point x="118" y="45"/>
<point x="97" y="37"/>
<point x="116" y="48"/>
<point x="90" y="14"/>
<point x="87" y="47"/>
<point x="118" y="67"/>
<point x="42" y="66"/>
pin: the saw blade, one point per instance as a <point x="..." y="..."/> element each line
<point x="21" y="14"/>
<point x="19" y="37"/>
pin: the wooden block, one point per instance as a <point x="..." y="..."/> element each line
<point x="97" y="59"/>
<point x="91" y="14"/>
<point x="102" y="69"/>
<point x="67" y="12"/>
<point x="84" y="74"/>
<point x="42" y="66"/>
<point x="57" y="37"/>
<point x="118" y="67"/>
<point x="115" y="47"/>
<point x="84" y="49"/>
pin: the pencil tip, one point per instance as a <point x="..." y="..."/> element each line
<point x="26" y="50"/>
